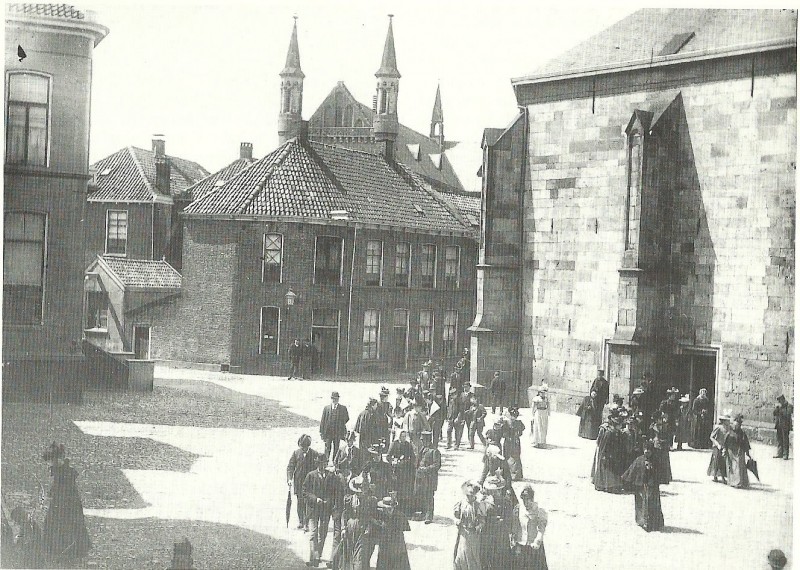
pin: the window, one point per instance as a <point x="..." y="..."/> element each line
<point x="272" y="264"/>
<point x="428" y="266"/>
<point x="449" y="332"/>
<point x="97" y="310"/>
<point x="116" y="232"/>
<point x="372" y="323"/>
<point x="328" y="261"/>
<point x="632" y="206"/>
<point x="269" y="331"/>
<point x="328" y="318"/>
<point x="402" y="264"/>
<point x="425" y="342"/>
<point x="374" y="262"/>
<point x="452" y="266"/>
<point x="23" y="267"/>
<point x="27" y="119"/>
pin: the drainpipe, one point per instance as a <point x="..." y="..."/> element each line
<point x="521" y="243"/>
<point x="350" y="299"/>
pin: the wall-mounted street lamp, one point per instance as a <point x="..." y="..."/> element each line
<point x="290" y="298"/>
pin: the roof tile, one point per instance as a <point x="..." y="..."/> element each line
<point x="144" y="273"/>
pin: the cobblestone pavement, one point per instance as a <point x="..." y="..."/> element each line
<point x="240" y="479"/>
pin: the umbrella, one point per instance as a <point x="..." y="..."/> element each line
<point x="288" y="507"/>
<point x="752" y="466"/>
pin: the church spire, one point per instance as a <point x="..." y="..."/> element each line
<point x="437" y="119"/>
<point x="385" y="125"/>
<point x="290" y="117"/>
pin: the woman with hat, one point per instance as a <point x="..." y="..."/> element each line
<point x="495" y="551"/>
<point x="683" y="432"/>
<point x="702" y="421"/>
<point x="589" y="424"/>
<point x="717" y="467"/>
<point x="609" y="459"/>
<point x="356" y="530"/>
<point x="661" y="436"/>
<point x="392" y="554"/>
<point x="494" y="463"/>
<point x="302" y="462"/>
<point x="512" y="448"/>
<point x="470" y="515"/>
<point x="403" y="460"/>
<point x="528" y="524"/>
<point x="736" y="447"/>
<point x="541" y="416"/>
<point x="642" y="475"/>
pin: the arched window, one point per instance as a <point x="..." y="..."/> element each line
<point x="437" y="129"/>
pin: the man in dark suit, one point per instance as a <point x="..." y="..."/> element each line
<point x="429" y="462"/>
<point x="350" y="459"/>
<point x="783" y="425"/>
<point x="368" y="425"/>
<point x="301" y="464"/>
<point x="601" y="385"/>
<point x="295" y="356"/>
<point x="333" y="425"/>
<point x="319" y="491"/>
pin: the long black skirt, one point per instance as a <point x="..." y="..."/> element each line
<point x="648" y="508"/>
<point x="528" y="558"/>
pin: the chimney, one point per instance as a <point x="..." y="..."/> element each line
<point x="246" y="150"/>
<point x="162" y="164"/>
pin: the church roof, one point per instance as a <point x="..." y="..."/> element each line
<point x="292" y="66"/>
<point x="129" y="175"/>
<point x="661" y="36"/>
<point x="417" y="151"/>
<point x="311" y="180"/>
<point x="389" y="60"/>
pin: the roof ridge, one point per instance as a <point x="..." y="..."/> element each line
<point x="337" y="147"/>
<point x="279" y="160"/>
<point x="141" y="171"/>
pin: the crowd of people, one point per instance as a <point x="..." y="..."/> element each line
<point x="387" y="473"/>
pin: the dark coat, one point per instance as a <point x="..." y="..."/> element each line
<point x="296" y="353"/>
<point x="322" y="486"/>
<point x="300" y="465"/>
<point x="350" y="459"/>
<point x="427" y="476"/>
<point x="601" y="385"/>
<point x="783" y="417"/>
<point x="369" y="427"/>
<point x="333" y="424"/>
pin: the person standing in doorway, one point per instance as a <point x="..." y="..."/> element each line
<point x="783" y="425"/>
<point x="600" y="385"/>
<point x="295" y="357"/>
<point x="497" y="388"/>
<point x="702" y="421"/>
<point x="333" y="426"/>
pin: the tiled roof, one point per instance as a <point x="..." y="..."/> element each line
<point x="65" y="11"/>
<point x="218" y="178"/>
<point x="647" y="32"/>
<point x="468" y="204"/>
<point x="130" y="175"/>
<point x="311" y="180"/>
<point x="420" y="159"/>
<point x="144" y="273"/>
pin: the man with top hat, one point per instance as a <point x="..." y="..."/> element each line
<point x="783" y="425"/>
<point x="319" y="490"/>
<point x="350" y="459"/>
<point x="333" y="425"/>
<point x="302" y="462"/>
<point x="369" y="425"/>
<point x="429" y="461"/>
<point x="601" y="385"/>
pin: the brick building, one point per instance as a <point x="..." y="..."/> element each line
<point x="639" y="213"/>
<point x="48" y="82"/>
<point x="351" y="249"/>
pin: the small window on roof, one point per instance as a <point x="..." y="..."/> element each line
<point x="676" y="43"/>
<point x="219" y="182"/>
<point x="105" y="172"/>
<point x="419" y="209"/>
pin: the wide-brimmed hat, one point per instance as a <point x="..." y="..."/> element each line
<point x="685" y="399"/>
<point x="357" y="484"/>
<point x="384" y="391"/>
<point x="638" y="392"/>
<point x="387" y="502"/>
<point x="470" y="485"/>
<point x="426" y="433"/>
<point x="493" y="483"/>
<point x="374" y="449"/>
<point x="543" y="387"/>
<point x="334" y="394"/>
<point x="494" y="451"/>
<point x="726" y="415"/>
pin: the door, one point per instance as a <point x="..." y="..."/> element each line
<point x="141" y="342"/>
<point x="400" y="340"/>
<point x="325" y="337"/>
<point x="697" y="371"/>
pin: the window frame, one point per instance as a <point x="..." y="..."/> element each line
<point x="428" y="353"/>
<point x="264" y="258"/>
<point x="108" y="220"/>
<point x="341" y="259"/>
<point x="99" y="321"/>
<point x="366" y="345"/>
<point x="261" y="331"/>
<point x="48" y="121"/>
<point x="452" y="281"/>
<point x="367" y="273"/>
<point x="424" y="262"/>
<point x="407" y="284"/>
<point x="634" y="189"/>
<point x="450" y="327"/>
<point x="45" y="253"/>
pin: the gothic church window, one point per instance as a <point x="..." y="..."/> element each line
<point x="634" y="186"/>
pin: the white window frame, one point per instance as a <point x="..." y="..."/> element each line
<point x="457" y="277"/>
<point x="264" y="258"/>
<point x="380" y="263"/>
<point x="45" y="253"/>
<point x="127" y="225"/>
<point x="341" y="258"/>
<point x="48" y="136"/>
<point x="377" y="327"/>
<point x="261" y="331"/>
<point x="99" y="328"/>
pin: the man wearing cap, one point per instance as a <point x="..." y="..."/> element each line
<point x="333" y="425"/>
<point x="783" y="425"/>
<point x="350" y="459"/>
<point x="368" y="425"/>
<point x="302" y="462"/>
<point x="319" y="490"/>
<point x="429" y="461"/>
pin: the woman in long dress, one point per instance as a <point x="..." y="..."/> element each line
<point x="737" y="447"/>
<point x="495" y="546"/>
<point x="589" y="425"/>
<point x="512" y="448"/>
<point x="470" y="515"/>
<point x="683" y="433"/>
<point x="716" y="466"/>
<point x="642" y="476"/>
<point x="701" y="421"/>
<point x="541" y="416"/>
<point x="528" y="524"/>
<point x="401" y="457"/>
<point x="392" y="554"/>
<point x="661" y="435"/>
<point x="610" y="458"/>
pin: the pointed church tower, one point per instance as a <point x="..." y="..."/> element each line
<point x="385" y="124"/>
<point x="291" y="113"/>
<point x="437" y="121"/>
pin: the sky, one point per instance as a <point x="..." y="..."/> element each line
<point x="205" y="75"/>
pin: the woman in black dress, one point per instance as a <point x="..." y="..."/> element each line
<point x="642" y="476"/>
<point x="701" y="421"/>
<point x="590" y="423"/>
